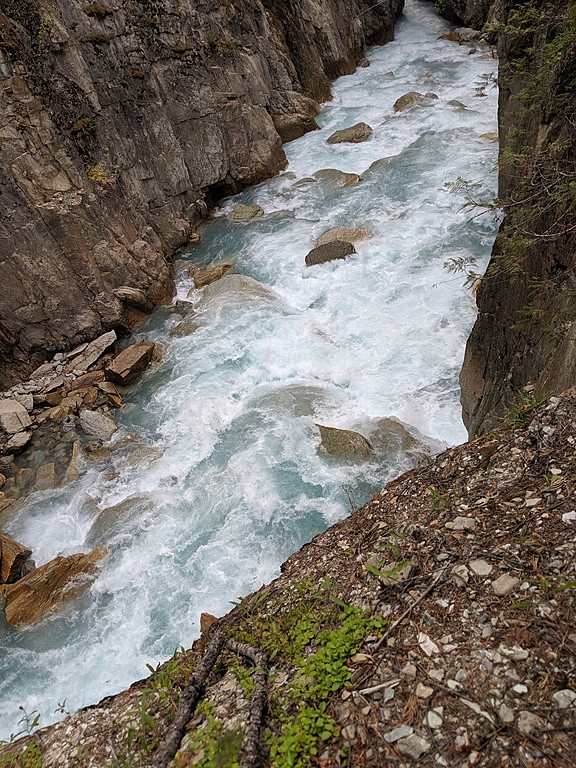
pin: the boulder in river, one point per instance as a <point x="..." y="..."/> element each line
<point x="89" y="354"/>
<point x="185" y="328"/>
<point x="353" y="135"/>
<point x="336" y="177"/>
<point x="13" y="555"/>
<point x="31" y="598"/>
<point x="408" y="100"/>
<point x="13" y="416"/>
<point x="97" y="425"/>
<point x="130" y="363"/>
<point x="347" y="234"/>
<point x="345" y="444"/>
<point x="17" y="442"/>
<point x="242" y="213"/>
<point x="392" y="436"/>
<point x="235" y="286"/>
<point x="204" y="277"/>
<point x="336" y="249"/>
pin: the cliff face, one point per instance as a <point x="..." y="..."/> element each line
<point x="123" y="122"/>
<point x="524" y="335"/>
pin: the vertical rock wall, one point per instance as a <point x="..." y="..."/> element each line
<point x="123" y="121"/>
<point x="525" y="333"/>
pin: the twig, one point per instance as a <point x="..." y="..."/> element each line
<point x="436" y="579"/>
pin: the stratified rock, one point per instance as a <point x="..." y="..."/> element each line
<point x="339" y="178"/>
<point x="46" y="476"/>
<point x="353" y="135"/>
<point x="207" y="276"/>
<point x="130" y="363"/>
<point x="18" y="442"/>
<point x="13" y="555"/>
<point x="337" y="249"/>
<point x="133" y="297"/>
<point x="97" y="425"/>
<point x="243" y="213"/>
<point x="86" y="380"/>
<point x="50" y="585"/>
<point x="347" y="234"/>
<point x="13" y="417"/>
<point x="408" y="100"/>
<point x="206" y="621"/>
<point x="91" y="353"/>
<point x="345" y="444"/>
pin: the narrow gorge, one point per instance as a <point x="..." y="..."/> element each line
<point x="297" y="277"/>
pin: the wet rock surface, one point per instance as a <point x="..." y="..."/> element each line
<point x="452" y="673"/>
<point x="353" y="135"/>
<point x="332" y="251"/>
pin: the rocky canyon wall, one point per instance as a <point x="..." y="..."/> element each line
<point x="523" y="345"/>
<point x="122" y="122"/>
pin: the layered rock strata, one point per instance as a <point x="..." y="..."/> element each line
<point x="123" y="123"/>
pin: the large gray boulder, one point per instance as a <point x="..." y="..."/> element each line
<point x="346" y="234"/>
<point x="13" y="417"/>
<point x="409" y="99"/>
<point x="336" y="249"/>
<point x="97" y="425"/>
<point x="353" y="135"/>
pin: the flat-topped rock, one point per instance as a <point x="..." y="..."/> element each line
<point x="130" y="363"/>
<point x="345" y="444"/>
<point x="91" y="353"/>
<point x="206" y="276"/>
<point x="409" y="99"/>
<point x="243" y="213"/>
<point x="97" y="425"/>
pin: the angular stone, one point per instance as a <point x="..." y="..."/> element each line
<point x="414" y="746"/>
<point x="398" y="733"/>
<point x="528" y="722"/>
<point x="46" y="476"/>
<point x="504" y="585"/>
<point x="234" y="288"/>
<point x="423" y="691"/>
<point x="130" y="363"/>
<point x="434" y="718"/>
<point x="243" y="213"/>
<point x="337" y="249"/>
<point x="73" y="471"/>
<point x="347" y="234"/>
<point x="207" y="276"/>
<point x="564" y="699"/>
<point x="91" y="353"/>
<point x="41" y="590"/>
<point x="206" y="621"/>
<point x="13" y="555"/>
<point x="13" y="417"/>
<point x="345" y="444"/>
<point x="353" y="135"/>
<point x="480" y="567"/>
<point x="461" y="524"/>
<point x="87" y="380"/>
<point x="18" y="442"/>
<point x="97" y="425"/>
<point x="408" y="100"/>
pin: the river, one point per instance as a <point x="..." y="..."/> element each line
<point x="226" y="477"/>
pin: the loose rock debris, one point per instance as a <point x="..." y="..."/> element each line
<point x="477" y="664"/>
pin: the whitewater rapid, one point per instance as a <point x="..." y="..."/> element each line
<point x="225" y="477"/>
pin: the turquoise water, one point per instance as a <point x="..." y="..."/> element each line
<point x="226" y="476"/>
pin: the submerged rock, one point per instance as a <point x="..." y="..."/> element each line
<point x="336" y="249"/>
<point x="347" y="234"/>
<point x="40" y="591"/>
<point x="243" y="213"/>
<point x="18" y="442"/>
<point x="130" y="363"/>
<point x="339" y="178"/>
<point x="345" y="444"/>
<point x="353" y="135"/>
<point x="185" y="328"/>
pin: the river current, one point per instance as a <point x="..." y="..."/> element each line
<point x="226" y="477"/>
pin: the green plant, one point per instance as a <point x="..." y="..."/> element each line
<point x="299" y="740"/>
<point x="212" y="745"/>
<point x="145" y="731"/>
<point x="97" y="39"/>
<point x="85" y="125"/>
<point x="519" y="412"/>
<point x="97" y="175"/>
<point x="440" y="501"/>
<point x="31" y="757"/>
